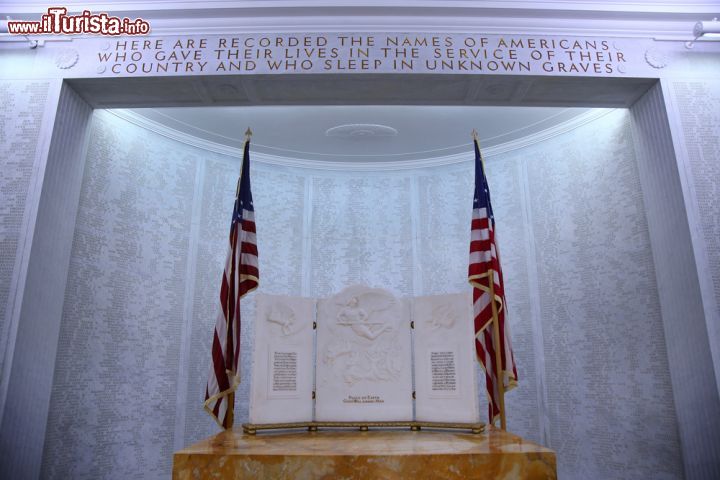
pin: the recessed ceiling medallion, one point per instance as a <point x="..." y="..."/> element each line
<point x="361" y="130"/>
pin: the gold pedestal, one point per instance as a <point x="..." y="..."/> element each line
<point x="363" y="455"/>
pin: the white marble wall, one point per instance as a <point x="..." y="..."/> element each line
<point x="610" y="405"/>
<point x="40" y="190"/>
<point x="150" y="241"/>
<point x="21" y="121"/>
<point x="697" y="106"/>
<point x="112" y="408"/>
<point x="361" y="232"/>
<point x="694" y="118"/>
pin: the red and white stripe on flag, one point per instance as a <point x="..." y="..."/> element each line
<point x="241" y="275"/>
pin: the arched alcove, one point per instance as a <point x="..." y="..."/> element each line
<point x="149" y="244"/>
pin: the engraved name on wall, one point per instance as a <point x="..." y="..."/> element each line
<point x="605" y="358"/>
<point x="113" y="402"/>
<point x="699" y="106"/>
<point x="23" y="104"/>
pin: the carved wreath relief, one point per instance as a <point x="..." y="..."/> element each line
<point x="282" y="317"/>
<point x="444" y="316"/>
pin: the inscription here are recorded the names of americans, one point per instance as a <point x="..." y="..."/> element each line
<point x="364" y="52"/>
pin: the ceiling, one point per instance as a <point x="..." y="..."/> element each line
<point x="356" y="133"/>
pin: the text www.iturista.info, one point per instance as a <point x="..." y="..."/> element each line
<point x="58" y="22"/>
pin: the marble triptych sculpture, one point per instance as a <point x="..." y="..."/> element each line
<point x="365" y="359"/>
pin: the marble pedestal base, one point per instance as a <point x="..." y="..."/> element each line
<point x="364" y="455"/>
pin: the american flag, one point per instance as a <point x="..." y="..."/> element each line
<point x="241" y="276"/>
<point x="484" y="262"/>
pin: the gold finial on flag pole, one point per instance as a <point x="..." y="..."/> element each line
<point x="248" y="134"/>
<point x="475" y="137"/>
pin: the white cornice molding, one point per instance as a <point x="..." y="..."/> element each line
<point x="322" y="165"/>
<point x="680" y="31"/>
<point x="644" y="7"/>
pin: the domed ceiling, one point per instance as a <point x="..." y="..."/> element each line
<point x="361" y="134"/>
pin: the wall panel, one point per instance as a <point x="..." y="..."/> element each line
<point x="43" y="255"/>
<point x="113" y="402"/>
<point x="21" y="123"/>
<point x="610" y="400"/>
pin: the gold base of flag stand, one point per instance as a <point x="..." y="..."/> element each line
<point x="252" y="428"/>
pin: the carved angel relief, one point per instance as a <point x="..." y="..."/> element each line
<point x="364" y="326"/>
<point x="360" y="314"/>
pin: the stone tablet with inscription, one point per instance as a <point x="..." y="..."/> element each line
<point x="445" y="382"/>
<point x="364" y="360"/>
<point x="282" y="360"/>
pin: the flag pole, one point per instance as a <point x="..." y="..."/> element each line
<point x="498" y="357"/>
<point x="231" y="410"/>
<point x="500" y="379"/>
